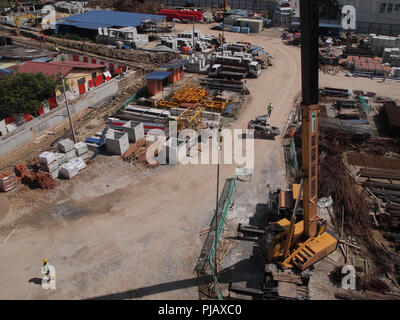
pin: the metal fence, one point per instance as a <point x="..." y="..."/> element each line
<point x="221" y="225"/>
<point x="364" y="104"/>
<point x="294" y="156"/>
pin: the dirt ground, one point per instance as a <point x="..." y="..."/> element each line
<point x="120" y="232"/>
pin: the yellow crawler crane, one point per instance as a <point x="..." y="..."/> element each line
<point x="301" y="244"/>
<point x="28" y="16"/>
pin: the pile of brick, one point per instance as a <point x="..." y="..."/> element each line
<point x="8" y="181"/>
<point x="366" y="64"/>
<point x="40" y="180"/>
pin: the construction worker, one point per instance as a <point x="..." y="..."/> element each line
<point x="269" y="109"/>
<point x="49" y="278"/>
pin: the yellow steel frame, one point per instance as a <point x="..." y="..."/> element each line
<point x="167" y="104"/>
<point x="190" y="119"/>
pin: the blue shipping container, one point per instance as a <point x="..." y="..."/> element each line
<point x="235" y="29"/>
<point x="244" y="30"/>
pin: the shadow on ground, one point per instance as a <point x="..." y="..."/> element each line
<point x="36" y="281"/>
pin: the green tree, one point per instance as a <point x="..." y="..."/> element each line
<point x="26" y="92"/>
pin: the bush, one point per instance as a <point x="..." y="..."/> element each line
<point x="25" y="92"/>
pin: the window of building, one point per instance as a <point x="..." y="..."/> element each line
<point x="390" y="7"/>
<point x="94" y="75"/>
<point x="383" y="7"/>
<point x="397" y="7"/>
<point x="81" y="81"/>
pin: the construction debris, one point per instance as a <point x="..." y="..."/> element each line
<point x="8" y="181"/>
<point x="136" y="153"/>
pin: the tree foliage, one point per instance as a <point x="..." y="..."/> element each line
<point x="26" y="92"/>
<point x="329" y="9"/>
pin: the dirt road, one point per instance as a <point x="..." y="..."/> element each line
<point x="116" y="234"/>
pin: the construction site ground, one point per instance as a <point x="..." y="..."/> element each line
<point x="122" y="232"/>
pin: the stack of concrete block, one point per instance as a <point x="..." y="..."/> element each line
<point x="396" y="72"/>
<point x="117" y="142"/>
<point x="79" y="163"/>
<point x="68" y="147"/>
<point x="81" y="150"/>
<point x="68" y="170"/>
<point x="197" y="64"/>
<point x="135" y="130"/>
<point x="173" y="151"/>
<point x="379" y="43"/>
<point x="49" y="163"/>
<point x="61" y="158"/>
<point x="392" y="56"/>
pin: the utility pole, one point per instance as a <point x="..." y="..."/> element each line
<point x="193" y="45"/>
<point x="69" y="114"/>
<point x="216" y="214"/>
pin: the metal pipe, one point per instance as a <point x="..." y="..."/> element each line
<point x="309" y="19"/>
<point x="69" y="114"/>
<point x="216" y="215"/>
<point x="293" y="221"/>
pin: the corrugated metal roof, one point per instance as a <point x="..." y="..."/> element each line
<point x="174" y="64"/>
<point x="157" y="75"/>
<point x="78" y="64"/>
<point x="106" y="19"/>
<point x="46" y="68"/>
<point x="6" y="71"/>
<point x="43" y="59"/>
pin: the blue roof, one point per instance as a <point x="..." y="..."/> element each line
<point x="7" y="71"/>
<point x="106" y="19"/>
<point x="43" y="59"/>
<point x="174" y="64"/>
<point x="157" y="75"/>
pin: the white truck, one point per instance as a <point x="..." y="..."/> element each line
<point x="253" y="67"/>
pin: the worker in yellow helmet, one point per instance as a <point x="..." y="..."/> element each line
<point x="49" y="275"/>
<point x="269" y="109"/>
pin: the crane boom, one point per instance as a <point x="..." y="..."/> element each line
<point x="303" y="243"/>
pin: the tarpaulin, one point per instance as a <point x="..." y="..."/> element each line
<point x="81" y="88"/>
<point x="52" y="103"/>
<point x="98" y="80"/>
<point x="10" y="120"/>
<point x="107" y="74"/>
